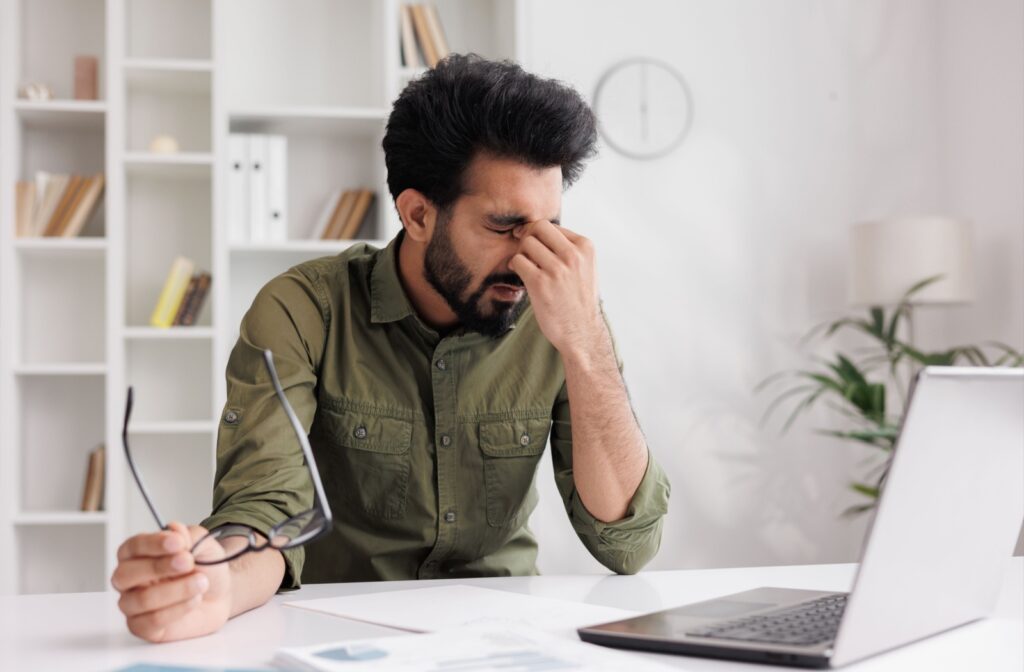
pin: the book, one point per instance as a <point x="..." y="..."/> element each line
<point x="422" y="25"/>
<point x="63" y="206"/>
<point x="355" y="219"/>
<point x="238" y="188"/>
<point x="172" y="293"/>
<point x="436" y="32"/>
<point x="85" y="206"/>
<point x="320" y="227"/>
<point x="92" y="491"/>
<point x="276" y="205"/>
<point x="25" y="203"/>
<point x="340" y="216"/>
<point x="195" y="303"/>
<point x="189" y="293"/>
<point x="86" y="78"/>
<point x="410" y="57"/>
<point x="49" y="196"/>
<point x="258" y="216"/>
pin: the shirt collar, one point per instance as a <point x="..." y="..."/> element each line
<point x="388" y="302"/>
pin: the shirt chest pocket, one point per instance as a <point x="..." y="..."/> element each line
<point x="511" y="451"/>
<point x="368" y="460"/>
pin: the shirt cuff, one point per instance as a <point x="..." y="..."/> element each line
<point x="260" y="520"/>
<point x="627" y="544"/>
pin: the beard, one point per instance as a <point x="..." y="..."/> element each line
<point x="446" y="273"/>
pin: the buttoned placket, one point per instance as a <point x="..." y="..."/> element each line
<point x="443" y="384"/>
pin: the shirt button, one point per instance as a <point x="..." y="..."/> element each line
<point x="449" y="517"/>
<point x="360" y="433"/>
<point x="524" y="440"/>
<point x="231" y="417"/>
<point x="446" y="440"/>
<point x="441" y="364"/>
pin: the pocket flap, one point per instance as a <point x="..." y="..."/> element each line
<point x="365" y="431"/>
<point x="514" y="438"/>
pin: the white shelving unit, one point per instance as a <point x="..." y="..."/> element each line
<point x="74" y="313"/>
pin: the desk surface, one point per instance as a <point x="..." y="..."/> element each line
<point x="85" y="631"/>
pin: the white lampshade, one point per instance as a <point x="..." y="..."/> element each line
<point x="889" y="256"/>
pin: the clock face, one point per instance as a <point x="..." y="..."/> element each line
<point x="643" y="107"/>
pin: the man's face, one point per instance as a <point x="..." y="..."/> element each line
<point x="467" y="257"/>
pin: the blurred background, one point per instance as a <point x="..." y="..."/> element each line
<point x="764" y="167"/>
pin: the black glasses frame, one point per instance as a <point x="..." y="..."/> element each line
<point x="320" y="513"/>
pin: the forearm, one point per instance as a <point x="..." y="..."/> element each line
<point x="255" y="577"/>
<point x="609" y="453"/>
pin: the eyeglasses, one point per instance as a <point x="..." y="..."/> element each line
<point x="295" y="531"/>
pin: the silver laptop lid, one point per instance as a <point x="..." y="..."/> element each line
<point x="948" y="517"/>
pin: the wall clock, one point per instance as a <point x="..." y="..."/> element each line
<point x="644" y="108"/>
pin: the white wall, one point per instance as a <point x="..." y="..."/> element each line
<point x="809" y="115"/>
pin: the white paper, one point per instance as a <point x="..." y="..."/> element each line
<point x="430" y="609"/>
<point x="474" y="649"/>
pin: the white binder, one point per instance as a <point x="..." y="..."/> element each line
<point x="258" y="219"/>
<point x="277" y="189"/>
<point x="238" y="188"/>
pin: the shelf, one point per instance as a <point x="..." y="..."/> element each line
<point x="288" y="120"/>
<point x="300" y="246"/>
<point x="183" y="164"/>
<point x="56" y="248"/>
<point x="174" y="427"/>
<point x="60" y="518"/>
<point x="170" y="333"/>
<point x="168" y="75"/>
<point x="65" y="369"/>
<point x="51" y="114"/>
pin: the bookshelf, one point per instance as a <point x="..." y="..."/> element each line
<point x="74" y="312"/>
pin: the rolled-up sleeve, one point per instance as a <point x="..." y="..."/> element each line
<point x="261" y="476"/>
<point x="625" y="545"/>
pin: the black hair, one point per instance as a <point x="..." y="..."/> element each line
<point x="468" y="105"/>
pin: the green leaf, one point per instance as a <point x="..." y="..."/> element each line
<point x="865" y="489"/>
<point x="783" y="397"/>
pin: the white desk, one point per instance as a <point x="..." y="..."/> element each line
<point x="85" y="631"/>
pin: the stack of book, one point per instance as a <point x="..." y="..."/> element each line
<point x="182" y="296"/>
<point x="421" y="27"/>
<point x="344" y="214"/>
<point x="92" y="491"/>
<point x="257" y="188"/>
<point x="55" y="204"/>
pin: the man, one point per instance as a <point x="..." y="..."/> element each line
<point x="428" y="375"/>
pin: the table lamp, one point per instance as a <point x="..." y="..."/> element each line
<point x="889" y="256"/>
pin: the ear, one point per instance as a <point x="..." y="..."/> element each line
<point x="418" y="215"/>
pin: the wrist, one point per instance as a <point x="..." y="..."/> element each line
<point x="591" y="350"/>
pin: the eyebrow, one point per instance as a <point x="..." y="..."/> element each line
<point x="513" y="219"/>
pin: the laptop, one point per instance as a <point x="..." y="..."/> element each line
<point x="935" y="554"/>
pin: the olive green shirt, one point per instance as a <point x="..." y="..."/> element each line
<point x="427" y="445"/>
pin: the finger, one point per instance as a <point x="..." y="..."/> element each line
<point x="151" y="545"/>
<point x="141" y="571"/>
<point x="521" y="265"/>
<point x="152" y="625"/>
<point x="163" y="594"/>
<point x="540" y="254"/>
<point x="552" y="236"/>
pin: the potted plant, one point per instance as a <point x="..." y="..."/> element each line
<point x="858" y="387"/>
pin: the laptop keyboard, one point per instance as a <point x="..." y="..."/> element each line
<point x="807" y="623"/>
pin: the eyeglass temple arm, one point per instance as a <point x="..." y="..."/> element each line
<point x="300" y="433"/>
<point x="131" y="463"/>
